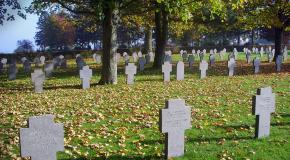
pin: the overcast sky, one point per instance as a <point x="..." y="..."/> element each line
<point x="16" y="30"/>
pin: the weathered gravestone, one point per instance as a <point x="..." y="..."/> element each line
<point x="12" y="71"/>
<point x="166" y="69"/>
<point x="248" y="56"/>
<point x="269" y="56"/>
<point x="203" y="66"/>
<point x="97" y="58"/>
<point x="135" y="57"/>
<point x="263" y="106"/>
<point x="42" y="139"/>
<point x="141" y="62"/>
<point x="37" y="61"/>
<point x="231" y="66"/>
<point x="256" y="64"/>
<point x="140" y="54"/>
<point x="42" y="60"/>
<point x="211" y="59"/>
<point x="130" y="70"/>
<point x="180" y="71"/>
<point x="27" y="66"/>
<point x="190" y="61"/>
<point x="38" y="78"/>
<point x="279" y="60"/>
<point x="86" y="75"/>
<point x="80" y="62"/>
<point x="174" y="120"/>
<point x="48" y="68"/>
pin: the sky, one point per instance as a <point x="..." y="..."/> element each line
<point x="19" y="29"/>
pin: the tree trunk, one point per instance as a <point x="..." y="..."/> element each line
<point x="148" y="40"/>
<point x="278" y="42"/>
<point x="109" y="58"/>
<point x="161" y="22"/>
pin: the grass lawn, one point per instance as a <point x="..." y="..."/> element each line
<point x="120" y="122"/>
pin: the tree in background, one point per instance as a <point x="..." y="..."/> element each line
<point x="7" y="10"/>
<point x="24" y="46"/>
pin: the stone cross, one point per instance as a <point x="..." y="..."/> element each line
<point x="130" y="70"/>
<point x="263" y="106"/>
<point x="203" y="66"/>
<point x="190" y="60"/>
<point x="141" y="62"/>
<point x="279" y="60"/>
<point x="42" y="139"/>
<point x="86" y="75"/>
<point x="231" y="66"/>
<point x="256" y="64"/>
<point x="166" y="69"/>
<point x="180" y="71"/>
<point x="38" y="78"/>
<point x="174" y="120"/>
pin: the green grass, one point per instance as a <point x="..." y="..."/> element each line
<point x="121" y="122"/>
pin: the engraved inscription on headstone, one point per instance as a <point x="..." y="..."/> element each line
<point x="42" y="139"/>
<point x="174" y="120"/>
<point x="263" y="106"/>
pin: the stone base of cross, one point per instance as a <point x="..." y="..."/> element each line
<point x="263" y="106"/>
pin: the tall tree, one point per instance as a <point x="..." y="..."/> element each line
<point x="7" y="10"/>
<point x="265" y="13"/>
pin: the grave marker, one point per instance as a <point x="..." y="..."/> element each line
<point x="130" y="70"/>
<point x="42" y="139"/>
<point x="38" y="78"/>
<point x="263" y="106"/>
<point x="174" y="120"/>
<point x="203" y="66"/>
<point x="141" y="62"/>
<point x="256" y="64"/>
<point x="166" y="69"/>
<point x="231" y="66"/>
<point x="86" y="75"/>
<point x="180" y="71"/>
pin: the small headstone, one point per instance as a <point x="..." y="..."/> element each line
<point x="263" y="106"/>
<point x="130" y="70"/>
<point x="203" y="66"/>
<point x="42" y="139"/>
<point x="191" y="61"/>
<point x="27" y="66"/>
<point x="48" y="69"/>
<point x="262" y="52"/>
<point x="38" y="78"/>
<point x="174" y="120"/>
<point x="166" y="69"/>
<point x="141" y="62"/>
<point x="12" y="71"/>
<point x="248" y="56"/>
<point x="42" y="60"/>
<point x="231" y="66"/>
<point x="279" y="60"/>
<point x="140" y="54"/>
<point x="211" y="59"/>
<point x="36" y="61"/>
<point x="86" y="75"/>
<point x="180" y="71"/>
<point x="256" y="64"/>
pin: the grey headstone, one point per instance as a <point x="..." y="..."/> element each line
<point x="86" y="75"/>
<point x="37" y="61"/>
<point x="279" y="60"/>
<point x="231" y="66"/>
<point x="42" y="139"/>
<point x="211" y="60"/>
<point x="48" y="68"/>
<point x="130" y="70"/>
<point x="256" y="64"/>
<point x="12" y="71"/>
<point x="269" y="56"/>
<point x="38" y="78"/>
<point x="141" y="62"/>
<point x="135" y="57"/>
<point x="42" y="60"/>
<point x="166" y="69"/>
<point x="180" y="71"/>
<point x="174" y="120"/>
<point x="27" y="66"/>
<point x="248" y="56"/>
<point x="191" y="61"/>
<point x="263" y="106"/>
<point x="98" y="58"/>
<point x="203" y="66"/>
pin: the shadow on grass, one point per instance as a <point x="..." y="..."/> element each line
<point x="119" y="157"/>
<point x="217" y="139"/>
